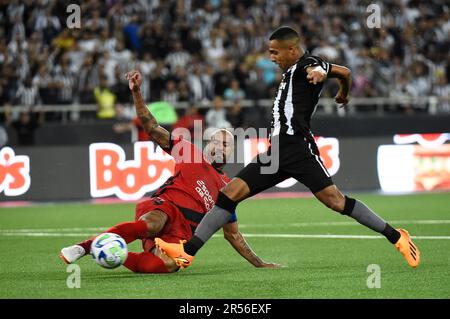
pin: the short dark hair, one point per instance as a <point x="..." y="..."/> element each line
<point x="284" y="33"/>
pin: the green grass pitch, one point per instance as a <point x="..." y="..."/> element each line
<point x="31" y="237"/>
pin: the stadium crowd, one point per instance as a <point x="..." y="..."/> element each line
<point x="200" y="51"/>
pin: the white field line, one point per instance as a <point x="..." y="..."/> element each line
<point x="46" y="234"/>
<point x="45" y="230"/>
<point x="352" y="223"/>
<point x="90" y="231"/>
<point x="306" y="224"/>
<point x="306" y="236"/>
<point x="330" y="236"/>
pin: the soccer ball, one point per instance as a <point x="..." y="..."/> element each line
<point x="109" y="250"/>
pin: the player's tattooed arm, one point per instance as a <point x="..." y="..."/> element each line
<point x="159" y="134"/>
<point x="344" y="77"/>
<point x="235" y="238"/>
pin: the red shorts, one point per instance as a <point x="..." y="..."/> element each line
<point x="177" y="227"/>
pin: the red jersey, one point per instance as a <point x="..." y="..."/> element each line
<point x="195" y="184"/>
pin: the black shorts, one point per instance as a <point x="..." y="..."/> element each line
<point x="298" y="157"/>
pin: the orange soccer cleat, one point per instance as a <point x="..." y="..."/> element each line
<point x="407" y="248"/>
<point x="175" y="251"/>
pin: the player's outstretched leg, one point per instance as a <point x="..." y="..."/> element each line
<point x="129" y="231"/>
<point x="183" y="253"/>
<point x="150" y="263"/>
<point x="357" y="210"/>
<point x="148" y="225"/>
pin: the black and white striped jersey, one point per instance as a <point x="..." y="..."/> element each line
<point x="296" y="98"/>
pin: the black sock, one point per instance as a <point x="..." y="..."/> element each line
<point x="193" y="245"/>
<point x="391" y="234"/>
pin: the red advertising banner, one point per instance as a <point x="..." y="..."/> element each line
<point x="421" y="165"/>
<point x="111" y="174"/>
<point x="328" y="147"/>
<point x="14" y="173"/>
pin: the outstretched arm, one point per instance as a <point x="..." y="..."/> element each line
<point x="344" y="77"/>
<point x="159" y="134"/>
<point x="235" y="238"/>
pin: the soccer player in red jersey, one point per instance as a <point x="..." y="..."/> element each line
<point x="177" y="207"/>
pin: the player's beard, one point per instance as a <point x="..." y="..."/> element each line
<point x="218" y="160"/>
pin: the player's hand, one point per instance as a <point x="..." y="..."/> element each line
<point x="315" y="74"/>
<point x="134" y="80"/>
<point x="341" y="99"/>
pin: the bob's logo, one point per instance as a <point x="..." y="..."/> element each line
<point x="14" y="173"/>
<point x="111" y="174"/>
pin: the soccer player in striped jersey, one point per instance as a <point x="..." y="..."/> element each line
<point x="176" y="208"/>
<point x="293" y="144"/>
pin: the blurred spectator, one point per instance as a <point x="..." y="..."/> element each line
<point x="196" y="84"/>
<point x="442" y="90"/>
<point x="105" y="99"/>
<point x="133" y="125"/>
<point x="158" y="81"/>
<point x="44" y="83"/>
<point x="131" y="33"/>
<point x="27" y="94"/>
<point x="188" y="121"/>
<point x="178" y="57"/>
<point x="4" y="98"/>
<point x="125" y="112"/>
<point x="87" y="81"/>
<point x="3" y="136"/>
<point x="26" y="126"/>
<point x="209" y="43"/>
<point x="48" y="24"/>
<point x="235" y="115"/>
<point x="216" y="117"/>
<point x="170" y="94"/>
<point x="64" y="41"/>
<point x="120" y="88"/>
<point x="222" y="77"/>
<point x="192" y="44"/>
<point x="147" y="67"/>
<point x="122" y="55"/>
<point x="234" y="92"/>
<point x="268" y="68"/>
<point x="65" y="84"/>
<point x="214" y="47"/>
<point x="402" y="90"/>
<point x="184" y="94"/>
<point x="208" y="83"/>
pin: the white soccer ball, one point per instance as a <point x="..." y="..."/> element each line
<point x="109" y="250"/>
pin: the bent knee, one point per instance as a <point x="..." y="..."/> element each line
<point x="237" y="190"/>
<point x="155" y="221"/>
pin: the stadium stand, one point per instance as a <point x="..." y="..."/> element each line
<point x="192" y="51"/>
